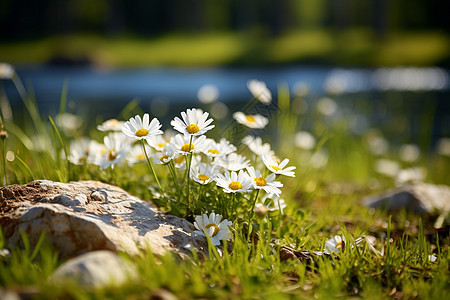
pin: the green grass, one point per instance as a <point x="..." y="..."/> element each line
<point x="322" y="201"/>
<point x="353" y="47"/>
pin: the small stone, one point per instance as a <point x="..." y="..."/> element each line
<point x="95" y="269"/>
<point x="98" y="196"/>
<point x="421" y="198"/>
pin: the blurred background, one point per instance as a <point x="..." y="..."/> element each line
<point x="171" y="54"/>
<point x="225" y="32"/>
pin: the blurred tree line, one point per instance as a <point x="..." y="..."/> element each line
<point x="25" y="19"/>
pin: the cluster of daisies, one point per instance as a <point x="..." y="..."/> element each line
<point x="187" y="149"/>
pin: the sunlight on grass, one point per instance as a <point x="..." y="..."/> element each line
<point x="309" y="238"/>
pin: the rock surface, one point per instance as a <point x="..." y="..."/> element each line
<point x="95" y="269"/>
<point x="84" y="216"/>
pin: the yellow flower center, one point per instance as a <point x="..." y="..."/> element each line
<point x="203" y="177"/>
<point x="187" y="147"/>
<point x="192" y="128"/>
<point x="250" y="118"/>
<point x="160" y="145"/>
<point x="179" y="159"/>
<point x="82" y="160"/>
<point x="341" y="244"/>
<point x="141" y="132"/>
<point x="213" y="151"/>
<point x="260" y="181"/>
<point x="162" y="158"/>
<point x="111" y="155"/>
<point x="235" y="185"/>
<point x="140" y="156"/>
<point x="276" y="168"/>
<point x="216" y="228"/>
<point x="113" y="121"/>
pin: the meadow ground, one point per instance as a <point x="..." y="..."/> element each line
<point x="271" y="251"/>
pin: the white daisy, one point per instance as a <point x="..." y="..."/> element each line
<point x="70" y="123"/>
<point x="213" y="149"/>
<point x="204" y="173"/>
<point x="251" y="121"/>
<point x="194" y="122"/>
<point x="180" y="162"/>
<point x="208" y="93"/>
<point x="158" y="142"/>
<point x="142" y="129"/>
<point x="260" y="91"/>
<point x="96" y="149"/>
<point x="335" y="244"/>
<point x="268" y="184"/>
<point x="232" y="162"/>
<point x="277" y="167"/>
<point x="256" y="145"/>
<point x="304" y="140"/>
<point x="273" y="202"/>
<point x="115" y="147"/>
<point x="136" y="154"/>
<point x="183" y="145"/>
<point x="6" y="71"/>
<point x="234" y="182"/>
<point x="212" y="227"/>
<point x="79" y="151"/>
<point x="165" y="156"/>
<point x="111" y="125"/>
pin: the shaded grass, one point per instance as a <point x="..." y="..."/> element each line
<point x="349" y="47"/>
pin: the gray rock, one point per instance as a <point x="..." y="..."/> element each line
<point x="95" y="269"/>
<point x="84" y="216"/>
<point x="418" y="197"/>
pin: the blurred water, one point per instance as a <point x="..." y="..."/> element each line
<point x="181" y="85"/>
<point x="374" y="95"/>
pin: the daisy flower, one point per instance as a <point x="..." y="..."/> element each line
<point x="213" y="149"/>
<point x="335" y="244"/>
<point x="96" y="149"/>
<point x="111" y="125"/>
<point x="260" y="91"/>
<point x="194" y="122"/>
<point x="212" y="227"/>
<point x="136" y="154"/>
<point x="273" y="202"/>
<point x="6" y="71"/>
<point x="232" y="162"/>
<point x="115" y="149"/>
<point x="204" y="173"/>
<point x="256" y="145"/>
<point x="251" y="121"/>
<point x="234" y="182"/>
<point x="141" y="128"/>
<point x="165" y="156"/>
<point x="268" y="184"/>
<point x="277" y="167"/>
<point x="208" y="93"/>
<point x="180" y="162"/>
<point x="182" y="144"/>
<point x="79" y="151"/>
<point x="158" y="142"/>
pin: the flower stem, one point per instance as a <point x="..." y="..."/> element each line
<point x="252" y="211"/>
<point x="4" y="179"/>
<point x="151" y="167"/>
<point x="189" y="173"/>
<point x="174" y="177"/>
